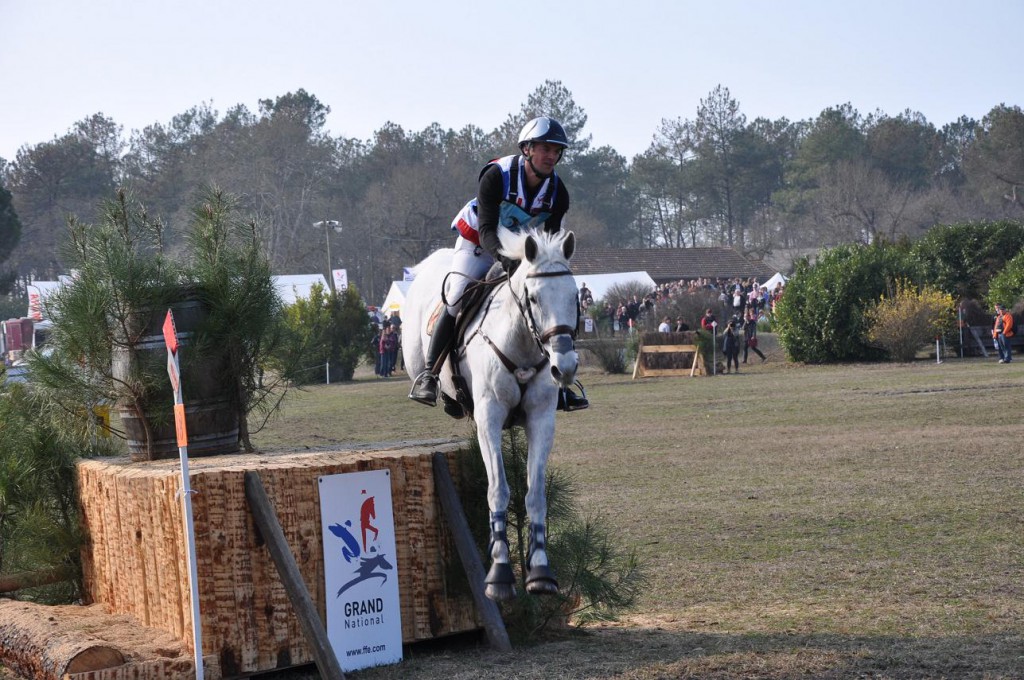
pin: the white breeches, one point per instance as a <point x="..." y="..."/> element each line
<point x="469" y="263"/>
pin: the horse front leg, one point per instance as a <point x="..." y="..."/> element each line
<point x="500" y="581"/>
<point x="540" y="437"/>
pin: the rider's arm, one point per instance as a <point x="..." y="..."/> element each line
<point x="488" y="198"/>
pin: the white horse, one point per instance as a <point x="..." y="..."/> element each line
<point x="518" y="353"/>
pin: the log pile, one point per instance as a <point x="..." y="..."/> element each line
<point x="135" y="562"/>
<point x="85" y="643"/>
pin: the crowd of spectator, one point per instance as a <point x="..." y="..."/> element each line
<point x="738" y="298"/>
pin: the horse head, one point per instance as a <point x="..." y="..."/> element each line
<point x="546" y="293"/>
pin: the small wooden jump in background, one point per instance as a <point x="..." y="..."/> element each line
<point x="668" y="354"/>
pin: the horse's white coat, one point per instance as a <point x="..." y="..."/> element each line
<point x="496" y="391"/>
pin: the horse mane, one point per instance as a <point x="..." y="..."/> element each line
<point x="549" y="245"/>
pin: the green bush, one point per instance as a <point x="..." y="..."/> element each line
<point x="820" y="317"/>
<point x="1007" y="287"/>
<point x="124" y="276"/>
<point x="325" y="327"/>
<point x="39" y="521"/>
<point x="962" y="259"/>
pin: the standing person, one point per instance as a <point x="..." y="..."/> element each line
<point x="375" y="344"/>
<point x="665" y="326"/>
<point x="707" y="321"/>
<point x="522" y="190"/>
<point x="731" y="347"/>
<point x="750" y="336"/>
<point x="1002" y="328"/>
<point x="388" y="351"/>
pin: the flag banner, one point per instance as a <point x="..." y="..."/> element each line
<point x="340" y="279"/>
<point x="364" y="619"/>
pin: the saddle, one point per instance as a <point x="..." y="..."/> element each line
<point x="461" y="405"/>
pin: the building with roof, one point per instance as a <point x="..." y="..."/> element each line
<point x="666" y="265"/>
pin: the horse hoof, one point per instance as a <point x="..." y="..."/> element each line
<point x="541" y="581"/>
<point x="499" y="592"/>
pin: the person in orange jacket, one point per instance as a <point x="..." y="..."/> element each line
<point x="1002" y="329"/>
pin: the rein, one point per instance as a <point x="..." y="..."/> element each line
<point x="526" y="310"/>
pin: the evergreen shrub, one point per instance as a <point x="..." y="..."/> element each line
<point x="820" y="317"/>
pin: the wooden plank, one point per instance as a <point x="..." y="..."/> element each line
<point x="665" y="349"/>
<point x="452" y="506"/>
<point x="312" y="626"/>
<point x="663" y="372"/>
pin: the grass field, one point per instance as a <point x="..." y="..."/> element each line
<point x="796" y="521"/>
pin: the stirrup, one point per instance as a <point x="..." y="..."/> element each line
<point x="424" y="389"/>
<point x="569" y="401"/>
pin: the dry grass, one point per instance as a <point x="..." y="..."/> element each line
<point x="797" y="521"/>
<point x="835" y="521"/>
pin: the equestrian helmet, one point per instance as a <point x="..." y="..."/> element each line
<point x="543" y="129"/>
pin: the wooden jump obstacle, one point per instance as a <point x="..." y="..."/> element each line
<point x="668" y="354"/>
<point x="134" y="561"/>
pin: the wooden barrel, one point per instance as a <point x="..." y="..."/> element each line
<point x="211" y="420"/>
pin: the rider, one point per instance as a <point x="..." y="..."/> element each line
<point x="521" y="189"/>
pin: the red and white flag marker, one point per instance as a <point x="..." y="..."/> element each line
<point x="174" y="371"/>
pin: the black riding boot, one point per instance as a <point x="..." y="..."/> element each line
<point x="570" y="401"/>
<point x="424" y="389"/>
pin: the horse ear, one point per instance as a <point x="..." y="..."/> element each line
<point x="530" y="249"/>
<point x="569" y="245"/>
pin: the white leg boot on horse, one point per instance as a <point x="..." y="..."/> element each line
<point x="540" y="580"/>
<point x="424" y="389"/>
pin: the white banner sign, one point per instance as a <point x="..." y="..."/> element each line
<point x="588" y="325"/>
<point x="364" y="619"/>
<point x="340" y="279"/>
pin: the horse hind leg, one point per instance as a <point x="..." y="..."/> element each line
<point x="540" y="580"/>
<point x="500" y="581"/>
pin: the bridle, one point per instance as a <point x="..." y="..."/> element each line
<point x="540" y="337"/>
<point x="527" y="310"/>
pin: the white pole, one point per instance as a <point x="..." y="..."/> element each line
<point x="328" y="372"/>
<point x="193" y="569"/>
<point x="938" y="352"/>
<point x="181" y="431"/>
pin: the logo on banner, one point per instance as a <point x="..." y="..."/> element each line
<point x="370" y="562"/>
<point x="363" y="610"/>
<point x="408" y="274"/>
<point x="340" y="279"/>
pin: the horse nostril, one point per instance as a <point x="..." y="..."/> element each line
<point x="555" y="373"/>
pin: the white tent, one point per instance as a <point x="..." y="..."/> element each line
<point x="770" y="283"/>
<point x="600" y="284"/>
<point x="396" y="297"/>
<point x="291" y="287"/>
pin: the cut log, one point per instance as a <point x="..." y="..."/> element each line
<point x="41" y="642"/>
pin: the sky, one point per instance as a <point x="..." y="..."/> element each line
<point x="628" y="64"/>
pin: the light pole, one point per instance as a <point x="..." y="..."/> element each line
<point x="329" y="224"/>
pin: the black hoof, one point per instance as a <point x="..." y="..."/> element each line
<point x="500" y="592"/>
<point x="500" y="582"/>
<point x="541" y="581"/>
